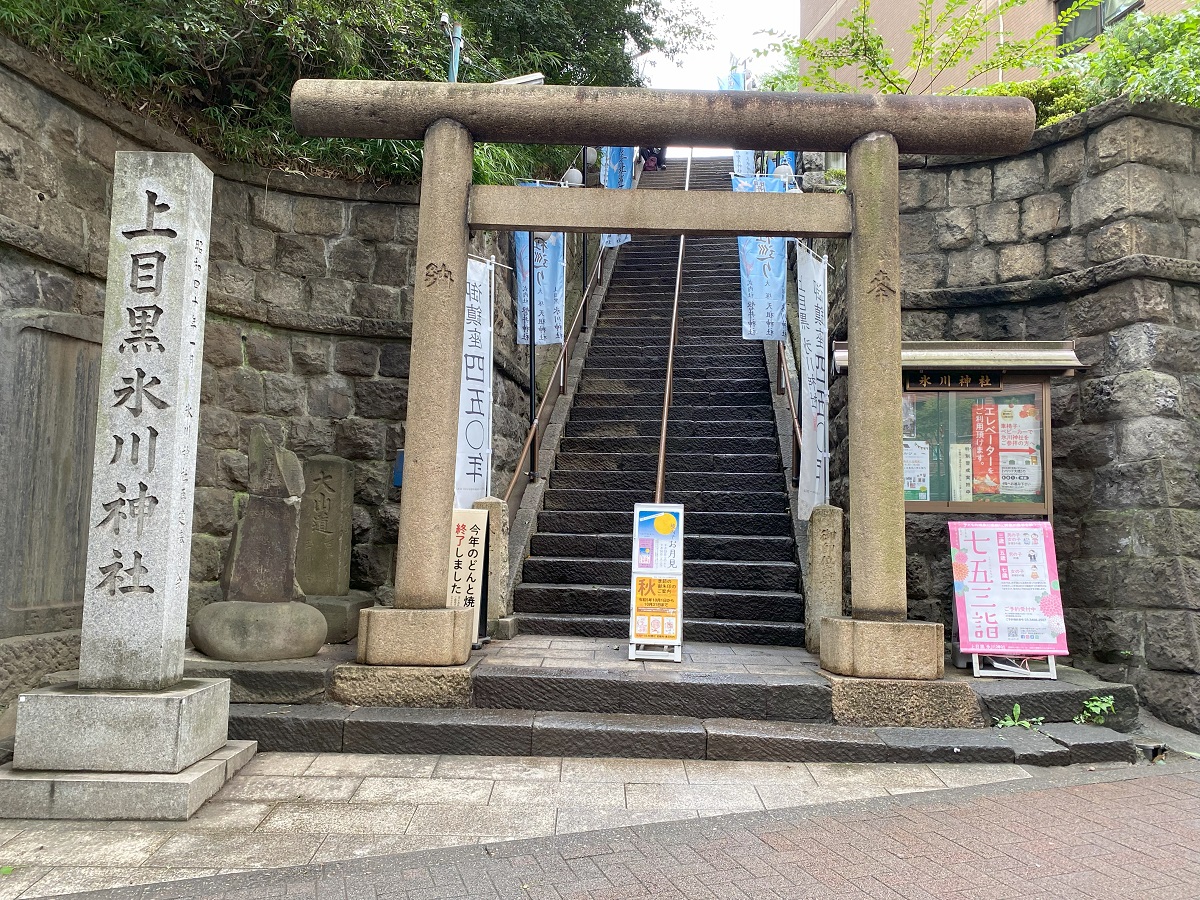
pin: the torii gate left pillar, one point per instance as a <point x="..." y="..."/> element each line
<point x="877" y="641"/>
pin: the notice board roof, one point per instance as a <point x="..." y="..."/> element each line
<point x="1043" y="356"/>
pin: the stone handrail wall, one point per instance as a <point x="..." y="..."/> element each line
<point x="1092" y="234"/>
<point x="308" y="330"/>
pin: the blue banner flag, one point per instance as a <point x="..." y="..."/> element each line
<point x="743" y="160"/>
<point x="550" y="284"/>
<point x="764" y="267"/>
<point x="616" y="171"/>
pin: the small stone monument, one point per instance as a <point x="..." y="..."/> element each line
<point x="158" y="741"/>
<point x="323" y="554"/>
<point x="263" y="616"/>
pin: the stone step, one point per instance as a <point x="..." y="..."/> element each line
<point x="754" y="385"/>
<point x="675" y="462"/>
<point x="727" y="574"/>
<point x="698" y="372"/>
<point x="690" y="409"/>
<point x="760" y="428"/>
<point x="743" y="548"/>
<point x="675" y="481"/>
<point x="573" y="521"/>
<point x="316" y="728"/>
<point x="736" y="604"/>
<point x="598" y="395"/>
<point x="676" y="443"/>
<point x="616" y="627"/>
<point x="693" y="501"/>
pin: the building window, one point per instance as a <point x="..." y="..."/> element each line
<point x="1090" y="22"/>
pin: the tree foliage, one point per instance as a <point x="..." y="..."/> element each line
<point x="942" y="39"/>
<point x="221" y="71"/>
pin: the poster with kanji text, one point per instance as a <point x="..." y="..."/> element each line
<point x="1006" y="589"/>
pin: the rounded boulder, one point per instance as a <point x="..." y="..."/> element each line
<point x="241" y="631"/>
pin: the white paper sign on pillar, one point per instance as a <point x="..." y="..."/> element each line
<point x="473" y="463"/>
<point x="467" y="575"/>
<point x="656" y="586"/>
<point x="814" y="380"/>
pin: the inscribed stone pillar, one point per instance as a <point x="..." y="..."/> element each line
<point x="421" y="631"/>
<point x="823" y="578"/>
<point x="140" y="530"/>
<point x="431" y="430"/>
<point x="877" y="565"/>
<point x="323" y="552"/>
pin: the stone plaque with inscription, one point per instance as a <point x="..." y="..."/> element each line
<point x="140" y="529"/>
<point x="323" y="553"/>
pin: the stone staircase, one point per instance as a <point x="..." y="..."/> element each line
<point x="741" y="579"/>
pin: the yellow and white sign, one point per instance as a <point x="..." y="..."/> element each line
<point x="656" y="586"/>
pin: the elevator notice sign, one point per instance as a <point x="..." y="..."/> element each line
<point x="656" y="586"/>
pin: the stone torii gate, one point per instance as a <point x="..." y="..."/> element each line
<point x="877" y="640"/>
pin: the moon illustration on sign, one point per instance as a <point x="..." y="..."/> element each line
<point x="664" y="523"/>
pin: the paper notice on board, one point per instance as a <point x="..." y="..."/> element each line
<point x="916" y="470"/>
<point x="960" y="473"/>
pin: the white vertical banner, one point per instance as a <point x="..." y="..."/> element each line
<point x="814" y="380"/>
<point x="473" y="464"/>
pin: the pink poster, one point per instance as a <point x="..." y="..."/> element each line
<point x="1006" y="589"/>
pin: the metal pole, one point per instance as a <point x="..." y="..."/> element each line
<point x="583" y="240"/>
<point x="533" y="422"/>
<point x="456" y="40"/>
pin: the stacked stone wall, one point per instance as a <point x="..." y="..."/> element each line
<point x="1091" y="235"/>
<point x="308" y="330"/>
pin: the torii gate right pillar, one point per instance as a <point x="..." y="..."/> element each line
<point x="877" y="641"/>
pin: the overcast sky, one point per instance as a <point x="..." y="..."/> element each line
<point x="735" y="23"/>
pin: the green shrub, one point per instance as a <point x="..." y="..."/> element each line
<point x="1054" y="98"/>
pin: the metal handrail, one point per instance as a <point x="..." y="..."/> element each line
<point x="661" y="474"/>
<point x="529" y="450"/>
<point x="783" y="382"/>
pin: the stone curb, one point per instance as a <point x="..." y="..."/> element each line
<point x="509" y="732"/>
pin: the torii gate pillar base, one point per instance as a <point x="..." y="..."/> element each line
<point x="415" y="637"/>
<point x="875" y="649"/>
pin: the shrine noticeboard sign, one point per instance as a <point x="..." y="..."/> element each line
<point x="656" y="586"/>
<point x="1006" y="589"/>
<point x="467" y="574"/>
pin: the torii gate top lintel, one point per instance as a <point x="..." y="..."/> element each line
<point x="562" y="114"/>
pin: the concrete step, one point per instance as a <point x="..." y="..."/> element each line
<point x="574" y="521"/>
<point x="727" y="574"/>
<point x="675" y="481"/>
<point x="736" y="605"/>
<point x="693" y="501"/>
<point x="744" y="548"/>
<point x="764" y="633"/>
<point x="335" y="728"/>
<point x="675" y="462"/>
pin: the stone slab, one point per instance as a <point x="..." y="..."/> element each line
<point x="64" y="728"/>
<point x="1090" y="743"/>
<point x="878" y="649"/>
<point x="1033" y="748"/>
<point x="485" y="732"/>
<point x="260" y="564"/>
<point x="415" y="637"/>
<point x="110" y="795"/>
<point x="1058" y="700"/>
<point x="823" y="577"/>
<point x="274" y="681"/>
<point x="629" y="736"/>
<point x="140" y="521"/>
<point x="323" y="550"/>
<point x="800" y="697"/>
<point x="873" y="702"/>
<point x="341" y="613"/>
<point x="536" y="688"/>
<point x="309" y="728"/>
<point x="738" y="739"/>
<point x="412" y="686"/>
<point x="926" y="745"/>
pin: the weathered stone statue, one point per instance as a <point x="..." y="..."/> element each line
<point x="263" y="615"/>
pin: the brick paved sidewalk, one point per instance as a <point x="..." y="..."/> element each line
<point x="1119" y="833"/>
